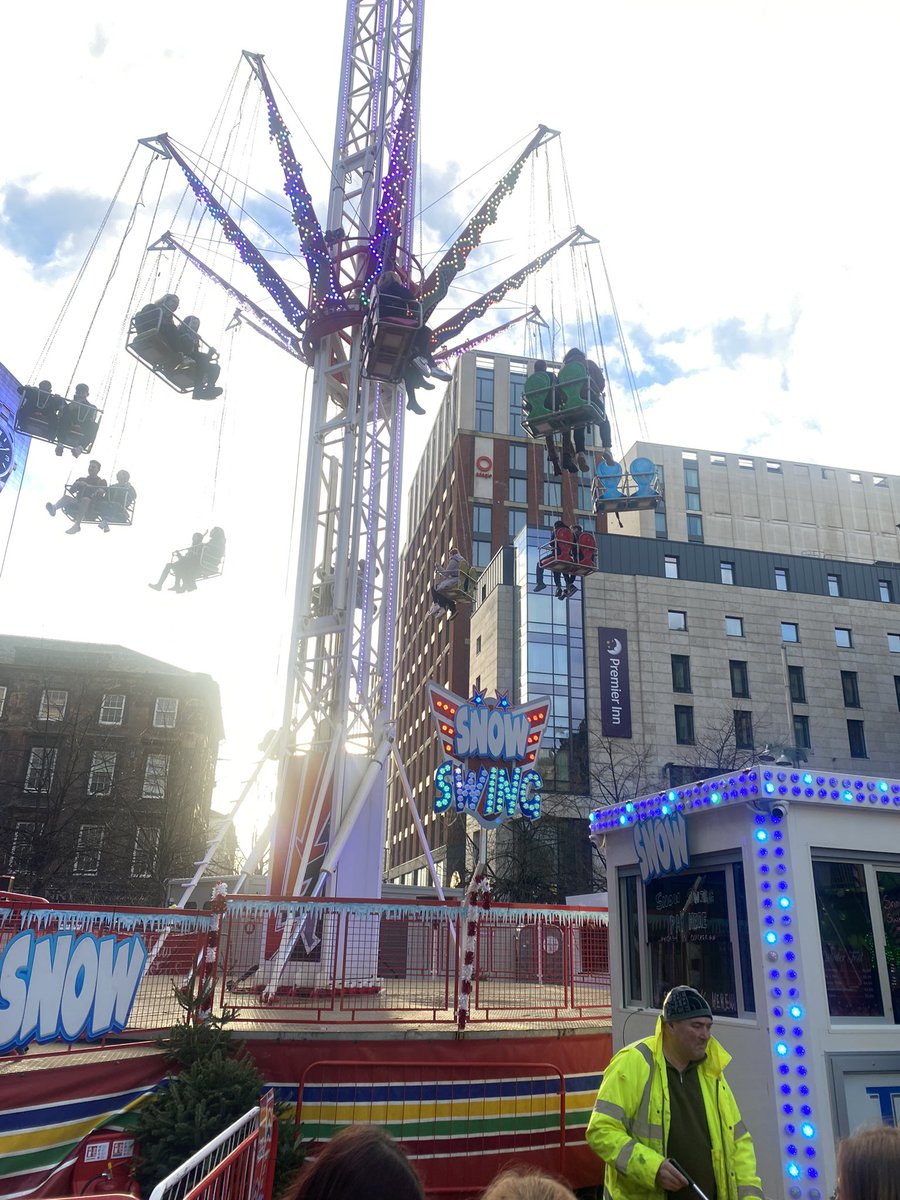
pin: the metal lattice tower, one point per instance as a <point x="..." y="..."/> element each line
<point x="336" y="728"/>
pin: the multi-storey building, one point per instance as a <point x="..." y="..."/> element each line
<point x="107" y="765"/>
<point x="480" y="480"/>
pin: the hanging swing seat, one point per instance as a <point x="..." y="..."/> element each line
<point x="566" y="402"/>
<point x="154" y="337"/>
<point x="462" y="592"/>
<point x="617" y="490"/>
<point x="68" y="424"/>
<point x="568" y="557"/>
<point x="114" y="505"/>
<point x="389" y="331"/>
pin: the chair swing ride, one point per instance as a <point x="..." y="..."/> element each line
<point x="337" y="733"/>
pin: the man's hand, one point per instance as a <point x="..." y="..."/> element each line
<point x="668" y="1179"/>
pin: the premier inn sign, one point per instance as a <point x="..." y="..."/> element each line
<point x="615" y="689"/>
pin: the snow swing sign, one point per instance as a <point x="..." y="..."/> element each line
<point x="65" y="986"/>
<point x="490" y="748"/>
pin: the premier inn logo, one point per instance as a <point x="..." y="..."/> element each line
<point x="615" y="695"/>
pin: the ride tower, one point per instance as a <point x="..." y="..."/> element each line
<point x="335" y="739"/>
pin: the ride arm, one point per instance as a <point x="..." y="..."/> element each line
<point x="325" y="287"/>
<point x="280" y="334"/>
<point x="295" y="311"/>
<point x="388" y="223"/>
<point x="479" y="307"/>
<point x="436" y="286"/>
<point x="532" y="312"/>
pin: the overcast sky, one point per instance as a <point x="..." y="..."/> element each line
<point x="737" y="163"/>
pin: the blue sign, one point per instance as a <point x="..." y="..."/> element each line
<point x="661" y="846"/>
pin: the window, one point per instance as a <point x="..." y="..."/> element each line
<point x="726" y="570"/>
<point x="155" y="775"/>
<point x="691" y="478"/>
<point x="692" y="501"/>
<point x="484" y="399"/>
<point x="41" y="765"/>
<point x="659" y="524"/>
<point x="897" y="689"/>
<point x="743" y="730"/>
<point x="834" y="585"/>
<point x="146" y="845"/>
<point x="515" y="519"/>
<point x="552" y="493"/>
<point x="671" y="566"/>
<point x="694" y="931"/>
<point x="518" y="490"/>
<point x="746" y="464"/>
<point x="781" y="579"/>
<point x="885" y="594"/>
<point x="481" y="520"/>
<point x="684" y="725"/>
<point x="856" y="736"/>
<point x="165" y="712"/>
<point x="850" y="688"/>
<point x="740" y="679"/>
<point x="681" y="673"/>
<point x="103" y="767"/>
<point x="112" y="710"/>
<point x="734" y="626"/>
<point x="846" y="894"/>
<point x="518" y="459"/>
<point x="53" y="705"/>
<point x="87" y="852"/>
<point x="797" y="685"/>
<point x="801" y="733"/>
<point x="773" y="468"/>
<point x="717" y="460"/>
<point x="2" y="698"/>
<point x="22" y="847"/>
<point x="790" y="631"/>
<point x="478" y="645"/>
<point x="843" y="638"/>
<point x="517" y="379"/>
<point x="677" y="620"/>
<point x="481" y="554"/>
<point x="694" y="528"/>
<point x="894" y="643"/>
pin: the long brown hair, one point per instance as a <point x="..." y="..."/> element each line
<point x="868" y="1164"/>
<point x="517" y="1184"/>
<point x="361" y="1160"/>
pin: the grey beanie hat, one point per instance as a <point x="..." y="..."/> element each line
<point x="683" y="1003"/>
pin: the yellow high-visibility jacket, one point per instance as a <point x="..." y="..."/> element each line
<point x="629" y="1127"/>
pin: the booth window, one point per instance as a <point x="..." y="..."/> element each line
<point x="859" y="925"/>
<point x="695" y="930"/>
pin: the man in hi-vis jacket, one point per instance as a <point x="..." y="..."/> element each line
<point x="664" y="1100"/>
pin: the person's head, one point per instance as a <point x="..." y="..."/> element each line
<point x="559" y="525"/>
<point x="687" y="1024"/>
<point x="388" y="277"/>
<point x="539" y="366"/>
<point x="196" y="539"/>
<point x="45" y="386"/>
<point x="122" y="477"/>
<point x="868" y="1165"/>
<point x="192" y="323"/>
<point x="169" y="301"/>
<point x="576" y="529"/>
<point x="217" y="534"/>
<point x="517" y="1184"/>
<point x="82" y="391"/>
<point x="573" y="355"/>
<point x="361" y="1160"/>
<point x="93" y="467"/>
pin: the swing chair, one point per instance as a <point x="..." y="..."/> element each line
<point x="616" y="490"/>
<point x="110" y="505"/>
<point x="65" y="424"/>
<point x="566" y="555"/>
<point x="156" y="337"/>
<point x="390" y="328"/>
<point x="562" y="404"/>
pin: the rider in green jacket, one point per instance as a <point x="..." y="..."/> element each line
<point x="665" y="1100"/>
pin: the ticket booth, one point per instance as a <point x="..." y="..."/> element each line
<point x="776" y="893"/>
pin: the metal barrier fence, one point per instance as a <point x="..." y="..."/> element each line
<point x="223" y="1169"/>
<point x="378" y="962"/>
<point x="458" y="1128"/>
<point x="286" y="962"/>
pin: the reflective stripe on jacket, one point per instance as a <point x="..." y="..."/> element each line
<point x="629" y="1127"/>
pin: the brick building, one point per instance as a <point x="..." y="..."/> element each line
<point x="107" y="766"/>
